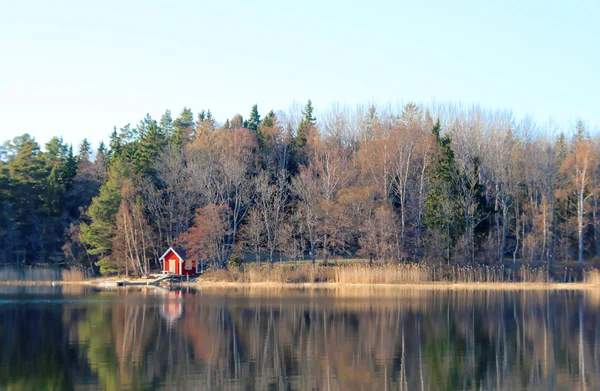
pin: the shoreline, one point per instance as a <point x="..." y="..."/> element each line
<point x="498" y="286"/>
<point x="412" y="286"/>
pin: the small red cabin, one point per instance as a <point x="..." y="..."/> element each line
<point x="175" y="262"/>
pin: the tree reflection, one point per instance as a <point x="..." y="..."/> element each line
<point x="419" y="341"/>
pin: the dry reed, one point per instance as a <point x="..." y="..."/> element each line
<point x="392" y="273"/>
<point x="75" y="275"/>
<point x="10" y="274"/>
<point x="41" y="275"/>
<point x="591" y="277"/>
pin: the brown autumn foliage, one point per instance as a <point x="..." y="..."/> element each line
<point x="346" y="182"/>
<point x="204" y="240"/>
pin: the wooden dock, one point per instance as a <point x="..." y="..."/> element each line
<point x="158" y="280"/>
<point x="166" y="278"/>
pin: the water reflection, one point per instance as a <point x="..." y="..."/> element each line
<point x="417" y="340"/>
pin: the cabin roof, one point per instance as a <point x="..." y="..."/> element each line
<point x="179" y="252"/>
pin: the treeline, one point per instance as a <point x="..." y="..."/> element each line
<point x="442" y="184"/>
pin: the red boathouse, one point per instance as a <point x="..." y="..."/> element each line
<point x="175" y="262"/>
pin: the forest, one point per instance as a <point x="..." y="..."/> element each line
<point x="438" y="184"/>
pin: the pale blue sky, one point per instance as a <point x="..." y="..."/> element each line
<point x="76" y="68"/>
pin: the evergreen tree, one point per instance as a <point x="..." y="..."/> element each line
<point x="205" y="123"/>
<point x="114" y="145"/>
<point x="149" y="145"/>
<point x="307" y="123"/>
<point x="166" y="124"/>
<point x="101" y="159"/>
<point x="268" y="122"/>
<point x="254" y="125"/>
<point x="53" y="194"/>
<point x="440" y="207"/>
<point x="85" y="150"/>
<point x="6" y="215"/>
<point x="56" y="151"/>
<point x="127" y="134"/>
<point x="27" y="172"/>
<point x="98" y="235"/>
<point x="580" y="132"/>
<point x="254" y="120"/>
<point x="183" y="127"/>
<point x="69" y="169"/>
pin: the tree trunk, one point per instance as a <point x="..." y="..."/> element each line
<point x="467" y="234"/>
<point x="552" y="228"/>
<point x="545" y="232"/>
<point x="420" y="209"/>
<point x="448" y="248"/>
<point x="580" y="216"/>
<point x="504" y="224"/>
<point x="497" y="223"/>
<point x="596" y="226"/>
<point x="402" y="225"/>
<point x="517" y="223"/>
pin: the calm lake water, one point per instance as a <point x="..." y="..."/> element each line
<point x="75" y="338"/>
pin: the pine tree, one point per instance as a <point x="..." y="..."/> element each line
<point x="85" y="150"/>
<point x="254" y="125"/>
<point x="183" y="127"/>
<point x="299" y="154"/>
<point x="114" y="145"/>
<point x="98" y="235"/>
<point x="56" y="151"/>
<point x="53" y="194"/>
<point x="307" y="123"/>
<point x="27" y="170"/>
<point x="166" y="124"/>
<point x="440" y="207"/>
<point x="6" y="215"/>
<point x="205" y="123"/>
<point x="268" y="122"/>
<point x="254" y="120"/>
<point x="69" y="169"/>
<point x="149" y="146"/>
<point x="580" y="131"/>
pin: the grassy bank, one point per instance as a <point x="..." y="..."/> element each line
<point x="352" y="274"/>
<point x="395" y="274"/>
<point x="42" y="275"/>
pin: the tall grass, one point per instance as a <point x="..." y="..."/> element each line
<point x="75" y="275"/>
<point x="254" y="274"/>
<point x="41" y="274"/>
<point x="393" y="273"/>
<point x="10" y="274"/>
<point x="382" y="274"/>
<point x="591" y="277"/>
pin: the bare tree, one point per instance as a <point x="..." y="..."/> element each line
<point x="580" y="167"/>
<point x="252" y="233"/>
<point x="305" y="188"/>
<point x="402" y="161"/>
<point x="377" y="240"/>
<point x="271" y="198"/>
